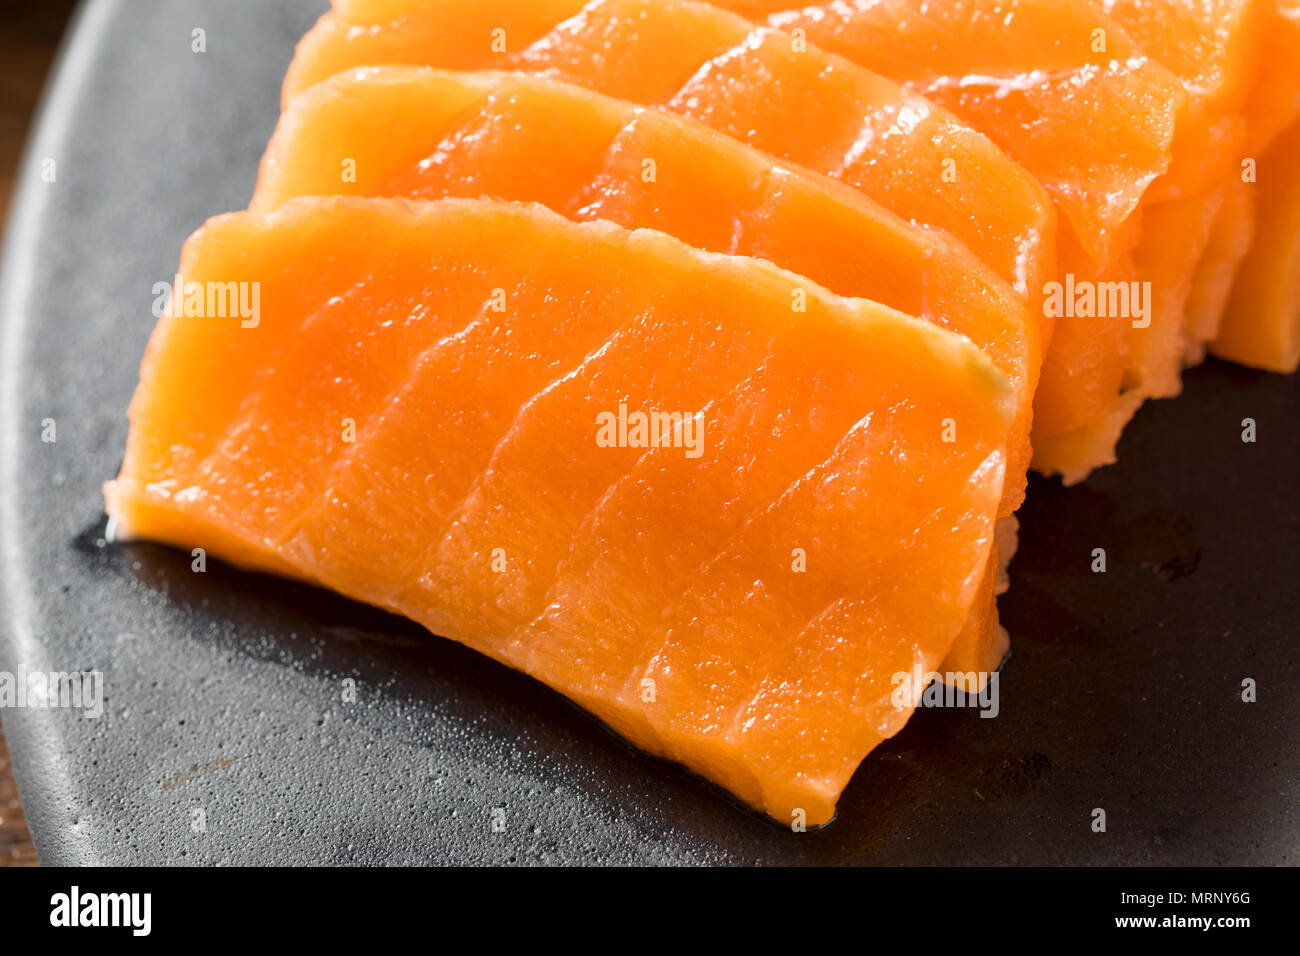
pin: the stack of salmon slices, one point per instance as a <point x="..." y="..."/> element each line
<point x="691" y="358"/>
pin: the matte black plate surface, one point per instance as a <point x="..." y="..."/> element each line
<point x="224" y="690"/>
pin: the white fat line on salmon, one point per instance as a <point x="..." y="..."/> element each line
<point x="1085" y="299"/>
<point x="48" y="690"/>
<point x="918" y="688"/>
<point x="650" y="430"/>
<point x="74" y="908"/>
<point x="215" y="300"/>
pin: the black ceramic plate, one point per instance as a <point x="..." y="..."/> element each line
<point x="224" y="690"/>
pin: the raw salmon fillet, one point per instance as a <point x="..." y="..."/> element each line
<point x="423" y="134"/>
<point x="764" y="87"/>
<point x="413" y="418"/>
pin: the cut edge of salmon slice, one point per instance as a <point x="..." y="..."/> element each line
<point x="1176" y="235"/>
<point x="894" y="342"/>
<point x="1076" y="454"/>
<point x="1261" y="322"/>
<point x="1230" y="239"/>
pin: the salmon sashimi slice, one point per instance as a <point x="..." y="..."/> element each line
<point x="452" y="34"/>
<point x="433" y="410"/>
<point x="766" y="88"/>
<point x="1261" y="323"/>
<point x="418" y="133"/>
<point x="1214" y="47"/>
<point x="1041" y="78"/>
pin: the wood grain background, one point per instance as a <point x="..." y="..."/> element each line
<point x="29" y="35"/>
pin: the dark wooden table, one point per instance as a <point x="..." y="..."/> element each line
<point x="29" y="35"/>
